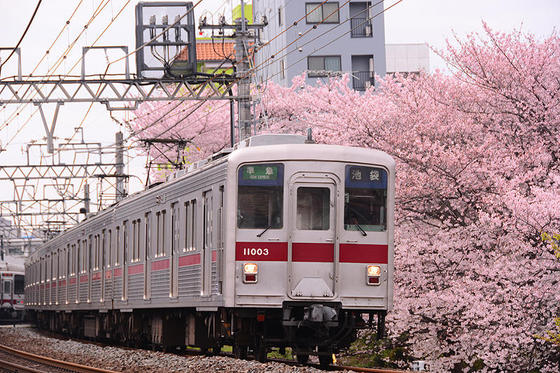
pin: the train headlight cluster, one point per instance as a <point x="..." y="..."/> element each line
<point x="373" y="273"/>
<point x="250" y="271"/>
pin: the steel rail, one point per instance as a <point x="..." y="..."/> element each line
<point x="18" y="368"/>
<point x="53" y="362"/>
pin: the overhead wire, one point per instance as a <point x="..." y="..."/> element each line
<point x="58" y="62"/>
<point x="97" y="11"/>
<point x="23" y="35"/>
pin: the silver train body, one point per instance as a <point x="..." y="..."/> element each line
<point x="278" y="243"/>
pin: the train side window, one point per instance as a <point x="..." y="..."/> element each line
<point x="72" y="260"/>
<point x="148" y="235"/>
<point x="125" y="242"/>
<point x="117" y="244"/>
<point x="53" y="262"/>
<point x="135" y="240"/>
<point x="260" y="196"/>
<point x="365" y="199"/>
<point x="59" y="263"/>
<point x="83" y="257"/>
<point x="103" y="249"/>
<point x="109" y="248"/>
<point x="91" y="250"/>
<point x="175" y="212"/>
<point x="160" y="233"/>
<point x="138" y="239"/>
<point x="96" y="253"/>
<point x="190" y="225"/>
<point x="208" y="219"/>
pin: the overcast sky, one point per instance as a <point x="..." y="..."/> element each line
<point x="411" y="21"/>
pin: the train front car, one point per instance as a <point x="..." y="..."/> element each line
<point x="313" y="242"/>
<point x="12" y="282"/>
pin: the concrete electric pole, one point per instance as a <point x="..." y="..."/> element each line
<point x="243" y="34"/>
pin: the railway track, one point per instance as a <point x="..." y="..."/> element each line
<point x="13" y="360"/>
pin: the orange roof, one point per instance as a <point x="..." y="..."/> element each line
<point x="205" y="51"/>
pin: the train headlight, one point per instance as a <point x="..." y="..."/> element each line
<point x="250" y="271"/>
<point x="373" y="273"/>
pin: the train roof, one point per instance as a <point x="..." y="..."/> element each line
<point x="268" y="147"/>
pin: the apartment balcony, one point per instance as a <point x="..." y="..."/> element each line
<point x="361" y="28"/>
<point x="362" y="80"/>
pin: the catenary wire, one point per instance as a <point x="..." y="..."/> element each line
<point x="23" y="35"/>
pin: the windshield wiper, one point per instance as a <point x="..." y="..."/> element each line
<point x="267" y="228"/>
<point x="360" y="229"/>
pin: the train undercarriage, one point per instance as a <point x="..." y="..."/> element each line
<point x="308" y="329"/>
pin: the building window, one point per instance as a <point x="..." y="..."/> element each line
<point x="322" y="13"/>
<point x="323" y="65"/>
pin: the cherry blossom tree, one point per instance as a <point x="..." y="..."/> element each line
<point x="203" y="126"/>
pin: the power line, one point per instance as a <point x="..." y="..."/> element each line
<point x="23" y="35"/>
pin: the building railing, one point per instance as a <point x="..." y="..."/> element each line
<point x="361" y="28"/>
<point x="362" y="80"/>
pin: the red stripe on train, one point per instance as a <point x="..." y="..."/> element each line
<point x="135" y="269"/>
<point x="160" y="264"/>
<point x="117" y="272"/>
<point x="312" y="252"/>
<point x="189" y="260"/>
<point x="96" y="276"/>
<point x="353" y="253"/>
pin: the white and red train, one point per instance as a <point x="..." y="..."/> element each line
<point x="277" y="243"/>
<point x="11" y="288"/>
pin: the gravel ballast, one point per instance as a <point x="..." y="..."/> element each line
<point x="133" y="360"/>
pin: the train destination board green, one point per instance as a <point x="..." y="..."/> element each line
<point x="260" y="172"/>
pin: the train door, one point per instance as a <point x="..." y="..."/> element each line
<point x="173" y="276"/>
<point x="207" y="243"/>
<point x="313" y="236"/>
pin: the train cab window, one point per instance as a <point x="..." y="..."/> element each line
<point x="19" y="284"/>
<point x="365" y="199"/>
<point x="313" y="208"/>
<point x="260" y="196"/>
<point x="7" y="287"/>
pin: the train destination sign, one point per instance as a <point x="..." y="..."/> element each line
<point x="260" y="172"/>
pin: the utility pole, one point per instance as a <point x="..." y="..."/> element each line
<point x="244" y="84"/>
<point x="243" y="33"/>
